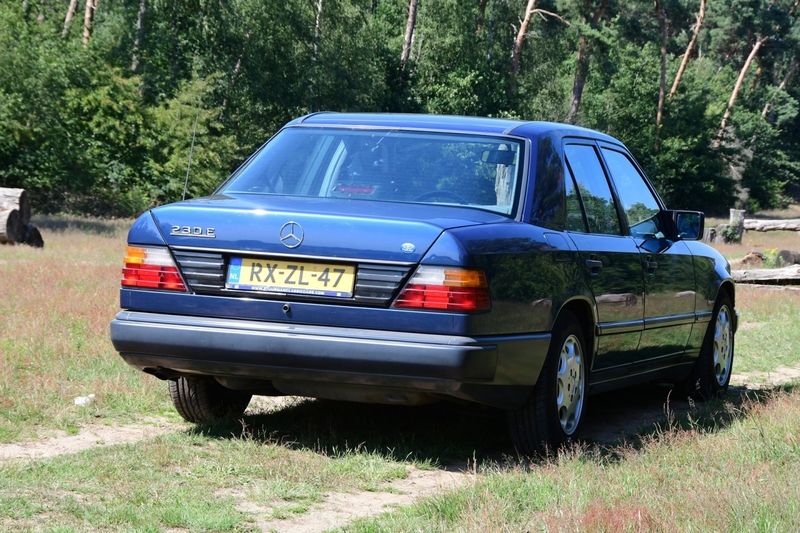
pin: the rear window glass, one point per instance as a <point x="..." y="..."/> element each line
<point x="470" y="170"/>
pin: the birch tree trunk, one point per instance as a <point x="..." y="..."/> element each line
<point x="137" y="41"/>
<point x="73" y="6"/>
<point x="736" y="88"/>
<point x="516" y="53"/>
<point x="88" y="17"/>
<point x="315" y="57"/>
<point x="662" y="86"/>
<point x="689" y="49"/>
<point x="410" y="26"/>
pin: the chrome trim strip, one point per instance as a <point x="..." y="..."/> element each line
<point x="704" y="316"/>
<point x="612" y="328"/>
<point x="667" y="321"/>
<point x="326" y="258"/>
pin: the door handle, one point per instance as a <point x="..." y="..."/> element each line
<point x="594" y="266"/>
<point x="650" y="265"/>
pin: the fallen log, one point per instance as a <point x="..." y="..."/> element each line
<point x="767" y="274"/>
<point x="16" y="199"/>
<point x="772" y="225"/>
<point x="11" y="228"/>
<point x="788" y="257"/>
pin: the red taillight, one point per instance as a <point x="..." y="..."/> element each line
<point x="151" y="268"/>
<point x="449" y="289"/>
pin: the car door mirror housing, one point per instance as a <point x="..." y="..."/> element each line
<point x="688" y="225"/>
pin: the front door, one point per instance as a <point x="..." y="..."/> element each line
<point x="669" y="281"/>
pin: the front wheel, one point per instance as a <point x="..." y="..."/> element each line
<point x="553" y="413"/>
<point x="712" y="371"/>
<point x="202" y="402"/>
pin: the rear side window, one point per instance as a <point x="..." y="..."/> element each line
<point x="575" y="220"/>
<point x="593" y="189"/>
<point x="383" y="165"/>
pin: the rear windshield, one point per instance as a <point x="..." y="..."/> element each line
<point x="383" y="165"/>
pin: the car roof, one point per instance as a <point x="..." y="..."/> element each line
<point x="491" y="126"/>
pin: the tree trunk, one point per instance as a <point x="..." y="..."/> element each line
<point x="582" y="66"/>
<point x="738" y="87"/>
<point x="581" y="71"/>
<point x="16" y="199"/>
<point x="11" y="227"/>
<point x="689" y="49"/>
<point x="481" y="16"/>
<point x="781" y="87"/>
<point x="236" y="69"/>
<point x="315" y="57"/>
<point x="516" y="53"/>
<point x="410" y="25"/>
<point x="662" y="87"/>
<point x="88" y="17"/>
<point x="490" y="35"/>
<point x="137" y="41"/>
<point x="73" y="6"/>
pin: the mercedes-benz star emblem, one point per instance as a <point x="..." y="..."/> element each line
<point x="291" y="234"/>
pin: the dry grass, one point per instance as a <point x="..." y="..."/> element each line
<point x="737" y="474"/>
<point x="56" y="305"/>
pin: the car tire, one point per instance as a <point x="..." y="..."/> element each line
<point x="712" y="371"/>
<point x="202" y="401"/>
<point x="554" y="412"/>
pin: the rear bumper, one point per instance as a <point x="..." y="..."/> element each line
<point x="452" y="365"/>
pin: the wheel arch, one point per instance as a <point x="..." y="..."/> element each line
<point x="729" y="287"/>
<point x="584" y="311"/>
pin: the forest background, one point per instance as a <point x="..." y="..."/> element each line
<point x="99" y="99"/>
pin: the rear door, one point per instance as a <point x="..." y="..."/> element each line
<point x="611" y="260"/>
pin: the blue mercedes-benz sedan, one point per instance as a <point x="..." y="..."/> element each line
<point x="408" y="259"/>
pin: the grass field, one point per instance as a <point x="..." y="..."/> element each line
<point x="730" y="465"/>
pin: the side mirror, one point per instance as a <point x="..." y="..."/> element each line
<point x="689" y="225"/>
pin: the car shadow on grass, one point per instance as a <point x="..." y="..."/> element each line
<point x="455" y="436"/>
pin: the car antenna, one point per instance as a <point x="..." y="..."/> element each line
<point x="194" y="130"/>
<point x="191" y="150"/>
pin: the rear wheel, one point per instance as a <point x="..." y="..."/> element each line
<point x="712" y="372"/>
<point x="553" y="413"/>
<point x="201" y="401"/>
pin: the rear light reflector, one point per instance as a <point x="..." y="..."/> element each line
<point x="151" y="268"/>
<point x="447" y="289"/>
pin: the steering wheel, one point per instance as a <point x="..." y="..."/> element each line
<point x="434" y="194"/>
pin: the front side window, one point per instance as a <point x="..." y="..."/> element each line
<point x="638" y="202"/>
<point x="394" y="166"/>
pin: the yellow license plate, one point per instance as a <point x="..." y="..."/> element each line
<point x="313" y="279"/>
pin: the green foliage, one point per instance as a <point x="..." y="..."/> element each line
<point x="86" y="133"/>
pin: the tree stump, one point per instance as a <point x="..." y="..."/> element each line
<point x="11" y="227"/>
<point x="736" y="226"/>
